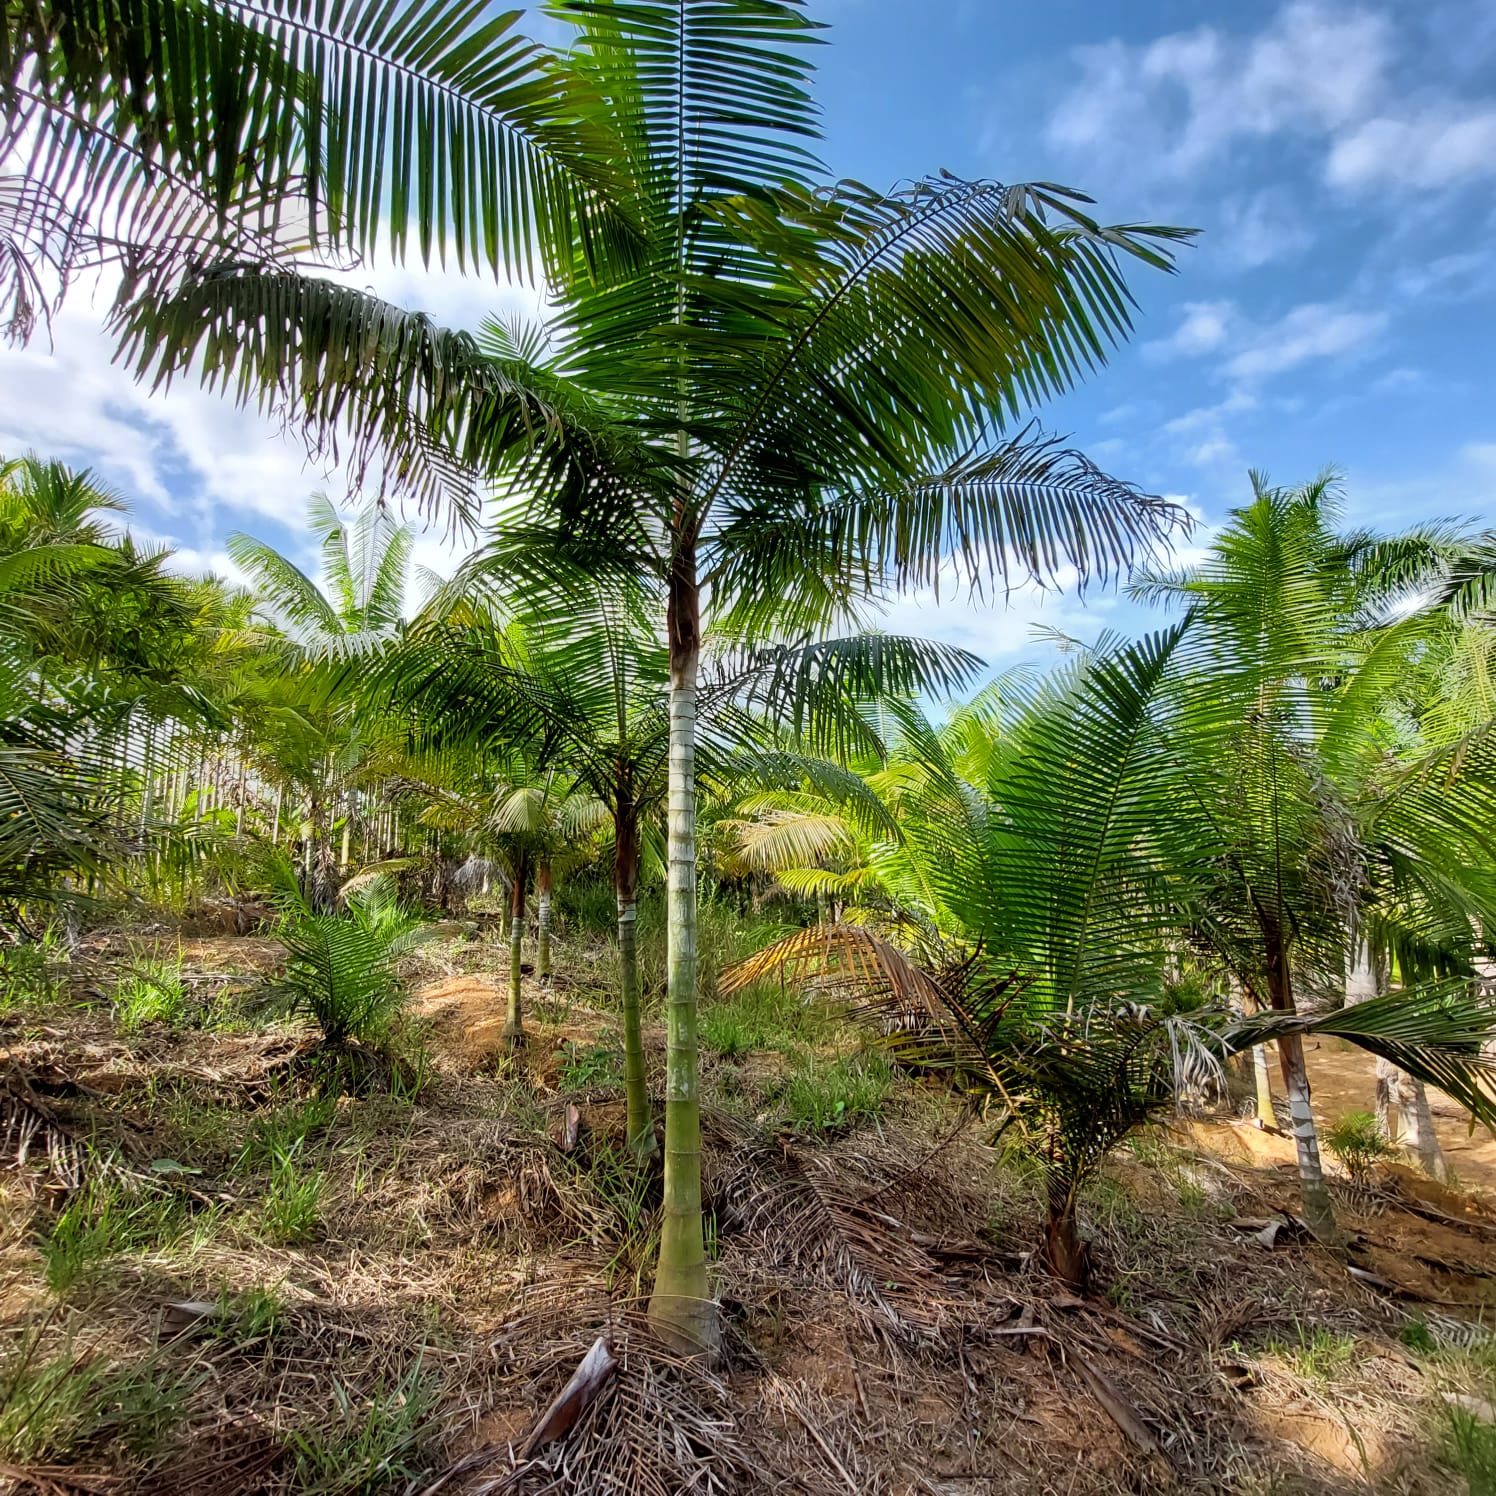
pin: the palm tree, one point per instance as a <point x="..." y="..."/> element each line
<point x="1324" y="837"/>
<point x="322" y="633"/>
<point x="175" y="137"/>
<point x="581" y="673"/>
<point x="1080" y="871"/>
<point x="778" y="393"/>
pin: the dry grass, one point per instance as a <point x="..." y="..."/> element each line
<point x="888" y="1330"/>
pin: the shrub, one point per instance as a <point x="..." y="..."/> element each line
<point x="1357" y="1142"/>
<point x="340" y="968"/>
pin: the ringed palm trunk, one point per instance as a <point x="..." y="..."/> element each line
<point x="681" y="1307"/>
<point x="543" y="922"/>
<point x="1319" y="1211"/>
<point x="514" y="1022"/>
<point x="640" y="1124"/>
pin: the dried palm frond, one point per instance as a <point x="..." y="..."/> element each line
<point x="846" y="960"/>
<point x="817" y="1216"/>
<point x="28" y="1126"/>
<point x="662" y="1424"/>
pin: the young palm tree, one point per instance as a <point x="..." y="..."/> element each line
<point x="1081" y="870"/>
<point x="1285" y="705"/>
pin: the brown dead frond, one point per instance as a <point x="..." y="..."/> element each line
<point x="849" y="961"/>
<point x="818" y="1215"/>
<point x="662" y="1424"/>
<point x="31" y="1128"/>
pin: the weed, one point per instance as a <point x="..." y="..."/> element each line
<point x="27" y="976"/>
<point x="103" y="1221"/>
<point x="820" y="1095"/>
<point x="1417" y="1336"/>
<point x="284" y="1131"/>
<point x="370" y="1448"/>
<point x="583" y="1069"/>
<point x="1357" y="1142"/>
<point x="248" y="1317"/>
<point x="1318" y="1356"/>
<point x="1469" y="1445"/>
<point x="763" y="1017"/>
<point x="54" y="1406"/>
<point x="152" y="991"/>
<point x="292" y="1208"/>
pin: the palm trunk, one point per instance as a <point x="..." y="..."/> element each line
<point x="640" y="1124"/>
<point x="681" y="1306"/>
<point x="1319" y="1211"/>
<point x="514" y="1022"/>
<point x="1267" y="1114"/>
<point x="1065" y="1253"/>
<point x="543" y="923"/>
<point x="1420" y="1139"/>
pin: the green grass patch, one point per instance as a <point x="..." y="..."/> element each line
<point x="103" y="1221"/>
<point x="291" y="1211"/>
<point x="285" y="1130"/>
<point x="1318" y="1355"/>
<point x="373" y="1446"/>
<point x="55" y="1406"/>
<point x="29" y="976"/>
<point x="763" y="1017"/>
<point x="151" y="991"/>
<point x="822" y="1095"/>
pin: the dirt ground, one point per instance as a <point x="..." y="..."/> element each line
<point x="1342" y="1079"/>
<point x="888" y="1329"/>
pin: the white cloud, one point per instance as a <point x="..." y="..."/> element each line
<point x="1437" y="147"/>
<point x="1204" y="326"/>
<point x="1259" y="228"/>
<point x="1168" y="107"/>
<point x="1312" y="331"/>
<point x="189" y="451"/>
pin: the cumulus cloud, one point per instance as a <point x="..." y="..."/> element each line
<point x="1203" y="327"/>
<point x="1169" y="107"/>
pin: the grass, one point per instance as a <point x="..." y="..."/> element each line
<point x="151" y="991"/>
<point x="292" y="1209"/>
<point x="103" y="1221"/>
<point x="285" y="1131"/>
<point x="1318" y="1355"/>
<point x="56" y="1405"/>
<point x="763" y="1017"/>
<point x="821" y="1095"/>
<point x="28" y="979"/>
<point x="372" y="1446"/>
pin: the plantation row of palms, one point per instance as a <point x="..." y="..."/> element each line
<point x="1079" y="894"/>
<point x="760" y="401"/>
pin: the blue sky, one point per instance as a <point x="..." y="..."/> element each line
<point x="1339" y="308"/>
